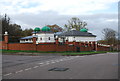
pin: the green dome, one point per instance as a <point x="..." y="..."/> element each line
<point x="37" y="29"/>
<point x="83" y="30"/>
<point x="46" y="28"/>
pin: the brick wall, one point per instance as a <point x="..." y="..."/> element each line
<point x="51" y="47"/>
<point x="3" y="45"/>
<point x="46" y="47"/>
<point x="101" y="48"/>
<point x="18" y="46"/>
<point x="86" y="48"/>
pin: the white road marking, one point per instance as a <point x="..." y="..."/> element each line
<point x="35" y="66"/>
<point x="61" y="59"/>
<point x="52" y="62"/>
<point x="47" y="61"/>
<point x="44" y="64"/>
<point x="27" y="69"/>
<point x="57" y="61"/>
<point x="81" y="56"/>
<point x="7" y="74"/>
<point x="40" y="63"/>
<point x="76" y="56"/>
<point x="19" y="71"/>
<point x="92" y="55"/>
<point x="67" y="57"/>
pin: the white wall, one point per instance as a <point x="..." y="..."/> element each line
<point x="45" y="38"/>
<point x="26" y="41"/>
<point x="78" y="39"/>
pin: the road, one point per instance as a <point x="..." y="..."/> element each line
<point x="99" y="66"/>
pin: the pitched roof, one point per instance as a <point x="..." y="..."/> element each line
<point x="43" y="32"/>
<point x="77" y="33"/>
<point x="29" y="37"/>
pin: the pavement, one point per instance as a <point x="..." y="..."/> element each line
<point x="99" y="66"/>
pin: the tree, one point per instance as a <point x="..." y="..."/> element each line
<point x="13" y="30"/>
<point x="27" y="32"/>
<point x="55" y="28"/>
<point x="5" y="23"/>
<point x="75" y="23"/>
<point x="109" y="36"/>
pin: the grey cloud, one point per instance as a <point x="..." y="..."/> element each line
<point x="96" y="22"/>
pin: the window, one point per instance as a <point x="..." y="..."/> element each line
<point x="74" y="39"/>
<point x="49" y="38"/>
<point x="40" y="38"/>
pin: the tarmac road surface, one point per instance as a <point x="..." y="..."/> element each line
<point x="99" y="66"/>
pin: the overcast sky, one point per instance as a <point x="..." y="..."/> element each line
<point x="99" y="14"/>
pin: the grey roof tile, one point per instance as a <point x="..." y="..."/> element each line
<point x="77" y="33"/>
<point x="28" y="37"/>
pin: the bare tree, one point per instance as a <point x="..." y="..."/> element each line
<point x="109" y="35"/>
<point x="55" y="28"/>
<point x="75" y="23"/>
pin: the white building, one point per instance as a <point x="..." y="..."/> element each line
<point x="45" y="35"/>
<point x="77" y="36"/>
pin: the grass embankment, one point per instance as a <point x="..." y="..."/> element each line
<point x="61" y="53"/>
<point x="84" y="53"/>
<point x="17" y="51"/>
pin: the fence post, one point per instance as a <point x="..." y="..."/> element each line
<point x="6" y="40"/>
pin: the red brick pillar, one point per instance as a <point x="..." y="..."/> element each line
<point x="6" y="40"/>
<point x="88" y="44"/>
<point x="67" y="48"/>
<point x="34" y="40"/>
<point x="96" y="44"/>
<point x="79" y="43"/>
<point x="74" y="43"/>
<point x="84" y="43"/>
<point x="93" y="45"/>
<point x="56" y="41"/>
<point x="6" y="37"/>
<point x="66" y="42"/>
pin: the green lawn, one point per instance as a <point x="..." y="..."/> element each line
<point x="62" y="53"/>
<point x="17" y="51"/>
<point x="84" y="53"/>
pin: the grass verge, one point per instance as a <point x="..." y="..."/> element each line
<point x="17" y="51"/>
<point x="61" y="53"/>
<point x="83" y="53"/>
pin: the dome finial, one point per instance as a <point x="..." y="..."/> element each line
<point x="46" y="28"/>
<point x="83" y="30"/>
<point x="37" y="29"/>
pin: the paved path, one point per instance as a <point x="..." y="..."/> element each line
<point x="101" y="66"/>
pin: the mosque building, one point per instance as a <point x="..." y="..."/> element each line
<point x="45" y="39"/>
<point x="45" y="35"/>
